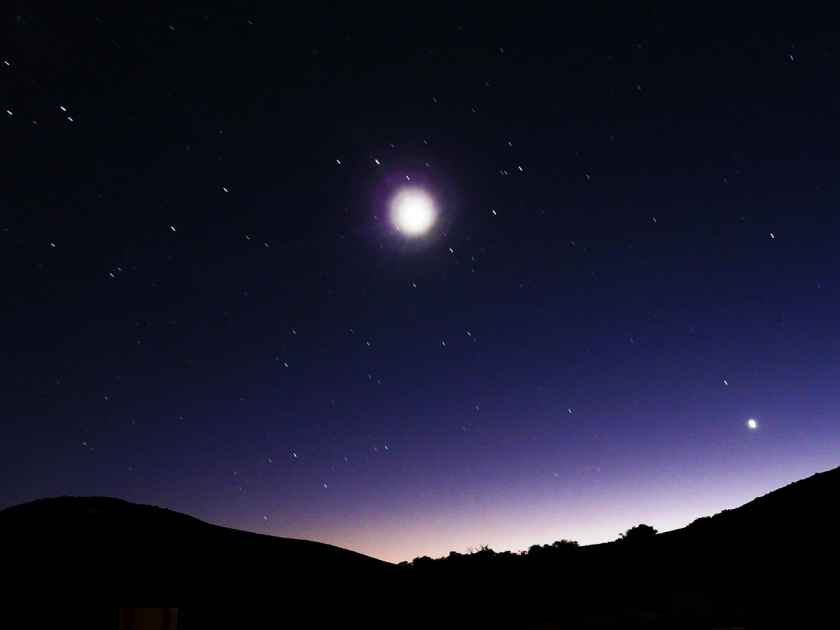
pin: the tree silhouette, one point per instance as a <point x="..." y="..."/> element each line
<point x="484" y="551"/>
<point x="564" y="545"/>
<point x="637" y="534"/>
<point x="555" y="549"/>
<point x="422" y="562"/>
<point x="482" y="558"/>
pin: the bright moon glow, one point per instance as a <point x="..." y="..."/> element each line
<point x="752" y="423"/>
<point x="413" y="212"/>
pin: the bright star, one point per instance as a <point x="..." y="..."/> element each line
<point x="752" y="424"/>
<point x="413" y="211"/>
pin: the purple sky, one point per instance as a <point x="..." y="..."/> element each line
<point x="207" y="308"/>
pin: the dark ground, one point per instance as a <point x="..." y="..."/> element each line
<point x="765" y="564"/>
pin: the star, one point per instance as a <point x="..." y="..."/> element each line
<point x="412" y="211"/>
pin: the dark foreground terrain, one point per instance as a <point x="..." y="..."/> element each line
<point x="769" y="563"/>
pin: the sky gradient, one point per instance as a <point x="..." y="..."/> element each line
<point x="205" y="306"/>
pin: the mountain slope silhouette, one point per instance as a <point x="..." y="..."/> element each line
<point x="764" y="564"/>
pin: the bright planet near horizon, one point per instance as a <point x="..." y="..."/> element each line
<point x="412" y="211"/>
<point x="752" y="424"/>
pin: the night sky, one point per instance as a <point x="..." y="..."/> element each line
<point x="207" y="306"/>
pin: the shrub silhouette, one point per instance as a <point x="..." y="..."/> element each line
<point x="637" y="534"/>
<point x="484" y="558"/>
<point x="564" y="545"/>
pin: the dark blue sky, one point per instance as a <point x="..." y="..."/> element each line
<point x="205" y="306"/>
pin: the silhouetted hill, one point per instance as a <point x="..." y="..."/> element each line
<point x="805" y="505"/>
<point x="767" y="563"/>
<point x="139" y="537"/>
<point x="95" y="547"/>
<point x="764" y="564"/>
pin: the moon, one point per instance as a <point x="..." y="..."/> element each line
<point x="752" y="424"/>
<point x="413" y="212"/>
